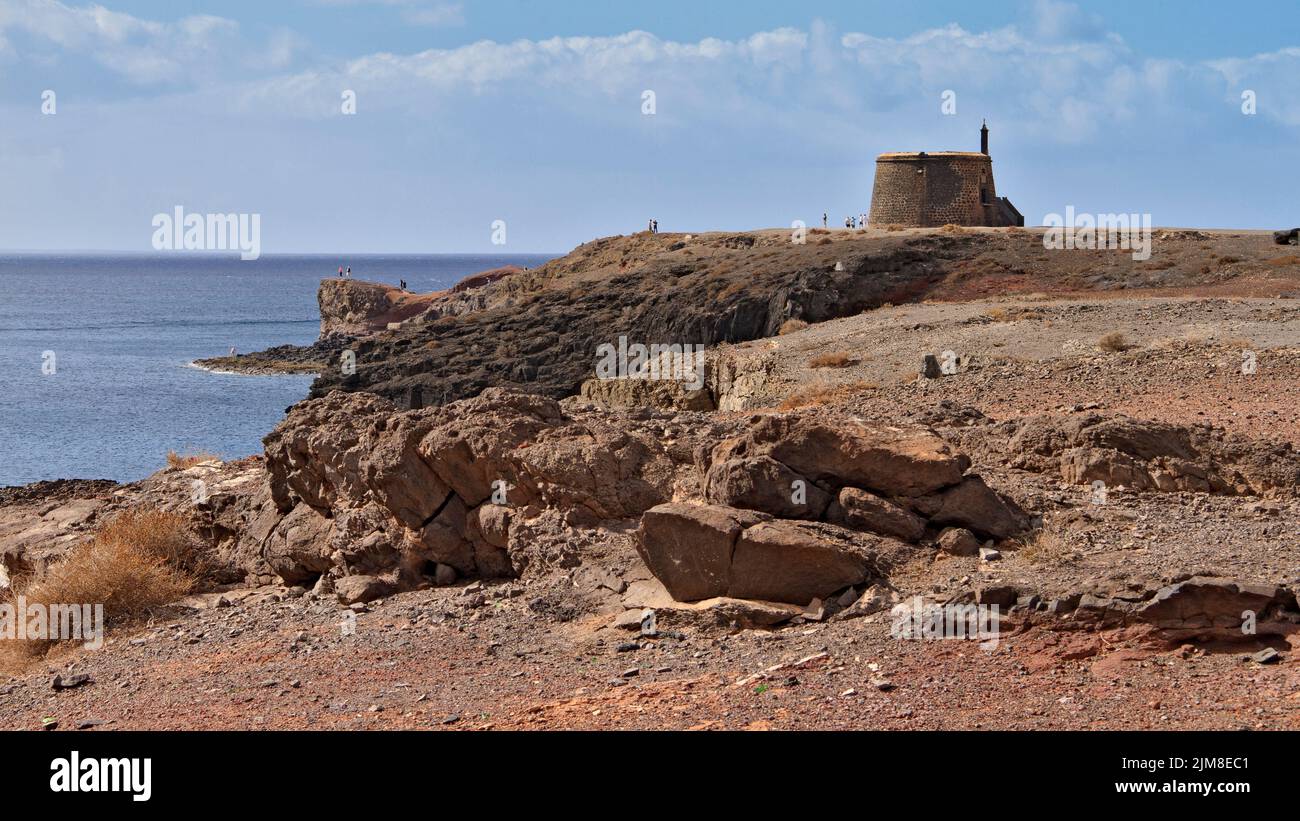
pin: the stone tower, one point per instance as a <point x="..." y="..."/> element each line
<point x="919" y="189"/>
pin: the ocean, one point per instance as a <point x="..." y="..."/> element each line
<point x="95" y="352"/>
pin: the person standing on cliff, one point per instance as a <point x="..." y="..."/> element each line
<point x="824" y="219"/>
<point x="340" y="270"/>
<point x="348" y="275"/>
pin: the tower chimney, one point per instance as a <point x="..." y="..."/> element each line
<point x="984" y="138"/>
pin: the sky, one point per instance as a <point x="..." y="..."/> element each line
<point x="547" y="124"/>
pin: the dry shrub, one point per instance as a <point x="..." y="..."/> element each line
<point x="953" y="228"/>
<point x="1279" y="262"/>
<point x="1012" y="314"/>
<point x="823" y="394"/>
<point x="790" y="326"/>
<point x="134" y="565"/>
<point x="189" y="460"/>
<point x="818" y="231"/>
<point x="893" y="226"/>
<point x="1016" y="229"/>
<point x="824" y="241"/>
<point x="732" y="289"/>
<point x="162" y="534"/>
<point x="1045" y="547"/>
<point x="1114" y="342"/>
<point x="835" y="359"/>
<point x="1229" y="260"/>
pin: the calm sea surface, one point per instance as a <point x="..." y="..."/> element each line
<point x="120" y="331"/>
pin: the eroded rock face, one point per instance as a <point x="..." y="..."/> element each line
<point x="354" y="308"/>
<point x="844" y="493"/>
<point x="368" y="490"/>
<point x="883" y="479"/>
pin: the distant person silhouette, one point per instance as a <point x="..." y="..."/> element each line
<point x="340" y="270"/>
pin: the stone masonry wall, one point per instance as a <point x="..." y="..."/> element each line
<point x="930" y="190"/>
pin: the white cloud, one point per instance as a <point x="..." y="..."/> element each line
<point x="1057" y="77"/>
<point x="415" y="12"/>
<point x="142" y="51"/>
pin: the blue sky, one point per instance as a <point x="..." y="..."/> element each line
<point x="532" y="113"/>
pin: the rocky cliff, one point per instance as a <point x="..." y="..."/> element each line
<point x="355" y="308"/>
<point x="539" y="330"/>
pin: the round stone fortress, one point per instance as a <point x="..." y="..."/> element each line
<point x="920" y="189"/>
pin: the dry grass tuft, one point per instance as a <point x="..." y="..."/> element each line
<point x="1278" y="262"/>
<point x="824" y="394"/>
<point x="835" y="359"/>
<point x="790" y="326"/>
<point x="189" y="460"/>
<point x="1045" y="547"/>
<point x="733" y="288"/>
<point x="1114" y="342"/>
<point x="1012" y="314"/>
<point x="136" y="563"/>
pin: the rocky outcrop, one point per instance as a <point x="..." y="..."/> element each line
<point x="1147" y="455"/>
<point x="890" y="480"/>
<point x="351" y="307"/>
<point x="876" y="488"/>
<point x="367" y="490"/>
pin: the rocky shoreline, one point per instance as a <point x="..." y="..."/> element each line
<point x="473" y="476"/>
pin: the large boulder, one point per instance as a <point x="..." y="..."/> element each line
<point x="361" y="589"/>
<point x="796" y="562"/>
<point x="836" y="449"/>
<point x="862" y="510"/>
<point x="707" y="551"/>
<point x="762" y="483"/>
<point x="972" y="504"/>
<point x="689" y="547"/>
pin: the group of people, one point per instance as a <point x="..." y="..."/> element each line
<point x="850" y="222"/>
<point x="653" y="227"/>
